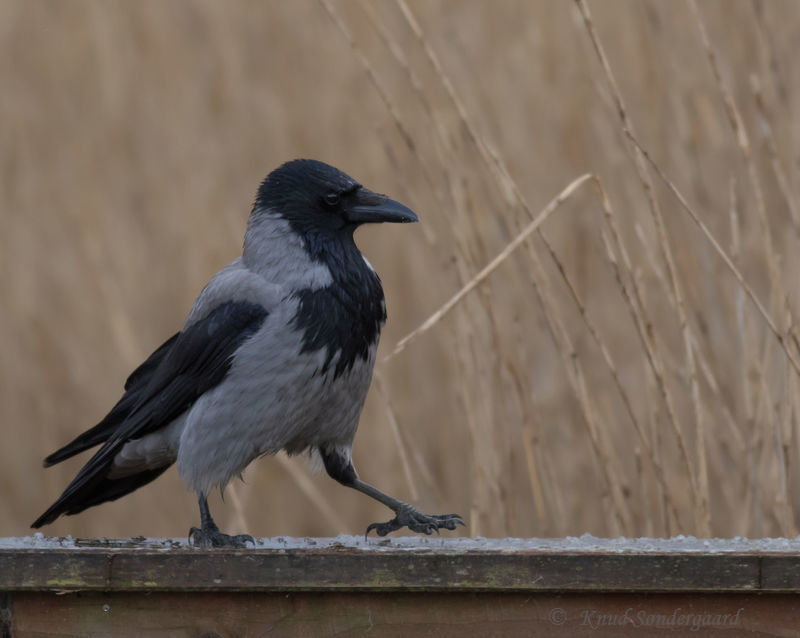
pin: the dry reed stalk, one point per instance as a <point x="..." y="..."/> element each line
<point x="735" y="223"/>
<point x="636" y="308"/>
<point x="748" y="353"/>
<point x="783" y="415"/>
<point x="794" y="398"/>
<point x="739" y="130"/>
<point x="723" y="445"/>
<point x="743" y="141"/>
<point x="703" y="365"/>
<point x="494" y="165"/>
<point x="445" y="81"/>
<point x="702" y="429"/>
<point x="427" y="477"/>
<point x="618" y="517"/>
<point x="671" y="523"/>
<point x="443" y="142"/>
<point x="526" y="416"/>
<point x="239" y="519"/>
<point x="723" y="255"/>
<point x="762" y="439"/>
<point x="442" y="139"/>
<point x="700" y="363"/>
<point x="121" y="324"/>
<point x="321" y="503"/>
<point x="765" y="42"/>
<point x="480" y="403"/>
<point x="564" y="346"/>
<point x="746" y="333"/>
<point x="603" y="451"/>
<point x="740" y="133"/>
<point x="608" y="360"/>
<point x="645" y="526"/>
<point x="774" y="158"/>
<point x="791" y="413"/>
<point x="396" y="51"/>
<point x="554" y="493"/>
<point x="371" y="73"/>
<point x="700" y="480"/>
<point x="479" y="406"/>
<point x="480" y="483"/>
<point x="462" y="255"/>
<point x="476" y="280"/>
<point x="573" y="368"/>
<point x="664" y="509"/>
<point x="467" y="288"/>
<point x="239" y="495"/>
<point x="722" y="402"/>
<point x="400" y="443"/>
<point x="465" y="260"/>
<point x="782" y="510"/>
<point x="530" y="443"/>
<point x="787" y="429"/>
<point x="469" y="128"/>
<point x="748" y="387"/>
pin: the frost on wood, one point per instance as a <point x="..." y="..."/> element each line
<point x="570" y="544"/>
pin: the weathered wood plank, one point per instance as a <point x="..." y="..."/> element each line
<point x="441" y="587"/>
<point x="401" y="614"/>
<point x="186" y="569"/>
<point x="322" y="565"/>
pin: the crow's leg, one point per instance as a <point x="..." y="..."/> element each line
<point x="405" y="515"/>
<point x="209" y="535"/>
<point x="340" y="468"/>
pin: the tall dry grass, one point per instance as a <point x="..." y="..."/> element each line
<point x="593" y="329"/>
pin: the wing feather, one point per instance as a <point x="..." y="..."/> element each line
<point x="161" y="389"/>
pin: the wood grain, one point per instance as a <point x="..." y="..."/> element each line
<point x="136" y="588"/>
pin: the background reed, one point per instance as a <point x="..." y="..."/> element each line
<point x="627" y="365"/>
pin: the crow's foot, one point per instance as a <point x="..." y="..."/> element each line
<point x="416" y="521"/>
<point x="206" y="538"/>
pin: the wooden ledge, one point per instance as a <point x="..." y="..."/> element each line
<point x="400" y="586"/>
<point x="404" y="563"/>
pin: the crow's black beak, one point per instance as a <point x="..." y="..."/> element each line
<point x="372" y="208"/>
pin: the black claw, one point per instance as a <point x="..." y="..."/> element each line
<point x="382" y="529"/>
<point x="416" y="522"/>
<point x="450" y="521"/>
<point x="213" y="538"/>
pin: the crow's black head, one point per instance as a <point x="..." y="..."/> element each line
<point x="343" y="312"/>
<point x="313" y="196"/>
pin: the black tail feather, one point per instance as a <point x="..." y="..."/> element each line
<point x="100" y="433"/>
<point x="134" y="387"/>
<point x="96" y="492"/>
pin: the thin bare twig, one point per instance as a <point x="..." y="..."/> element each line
<point x="490" y="267"/>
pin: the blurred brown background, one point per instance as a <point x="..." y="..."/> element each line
<point x="133" y="138"/>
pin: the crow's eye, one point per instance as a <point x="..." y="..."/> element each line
<point x="331" y="199"/>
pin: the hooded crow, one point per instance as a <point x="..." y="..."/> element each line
<point x="276" y="354"/>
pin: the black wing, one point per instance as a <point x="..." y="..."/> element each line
<point x="134" y="389"/>
<point x="157" y="392"/>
